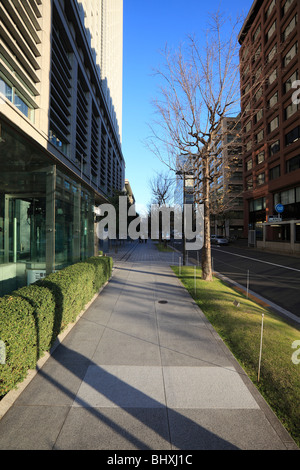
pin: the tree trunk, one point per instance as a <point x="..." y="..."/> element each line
<point x="206" y="250"/>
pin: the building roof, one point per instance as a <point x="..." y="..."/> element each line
<point x="249" y="19"/>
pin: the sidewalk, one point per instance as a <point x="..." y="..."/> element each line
<point x="142" y="369"/>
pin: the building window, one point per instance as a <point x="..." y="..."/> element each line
<point x="16" y="98"/>
<point x="258" y="116"/>
<point x="55" y="140"/>
<point x="257" y="75"/>
<point x="257" y="54"/>
<point x="290" y="110"/>
<point x="290" y="27"/>
<point x="257" y="204"/>
<point x="293" y="164"/>
<point x="259" y="136"/>
<point x="258" y="95"/>
<point x="260" y="157"/>
<point x="257" y="31"/>
<point x="290" y="55"/>
<point x="292" y="136"/>
<point x="274" y="173"/>
<point x="246" y="71"/>
<point x="260" y="179"/>
<point x="249" y="146"/>
<point x="270" y="8"/>
<point x="248" y="107"/>
<point x="6" y="90"/>
<point x="249" y="165"/>
<point x="271" y="31"/>
<point x="272" y="77"/>
<point x="288" y="197"/>
<point x="286" y="6"/>
<point x="272" y="53"/>
<point x="273" y="124"/>
<point x="273" y="100"/>
<point x="247" y="89"/>
<point x="248" y="126"/>
<point x="274" y="148"/>
<point x="249" y="183"/>
<point x="288" y="84"/>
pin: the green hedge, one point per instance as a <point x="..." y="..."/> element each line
<point x="32" y="317"/>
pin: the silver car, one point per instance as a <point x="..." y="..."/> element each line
<point x="220" y="241"/>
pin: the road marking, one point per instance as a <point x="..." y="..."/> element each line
<point x="260" y="261"/>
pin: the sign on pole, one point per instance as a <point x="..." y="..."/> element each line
<point x="279" y="208"/>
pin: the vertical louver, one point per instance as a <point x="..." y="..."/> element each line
<point x="81" y="123"/>
<point x="60" y="89"/>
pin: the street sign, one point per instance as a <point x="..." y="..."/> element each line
<point x="274" y="219"/>
<point x="279" y="208"/>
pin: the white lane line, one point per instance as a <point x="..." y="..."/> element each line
<point x="259" y="260"/>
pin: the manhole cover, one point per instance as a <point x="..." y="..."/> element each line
<point x="162" y="301"/>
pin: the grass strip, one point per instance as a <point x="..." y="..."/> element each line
<point x="163" y="248"/>
<point x="240" y="328"/>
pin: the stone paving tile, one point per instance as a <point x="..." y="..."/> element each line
<point x="135" y="373"/>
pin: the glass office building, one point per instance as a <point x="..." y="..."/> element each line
<point x="60" y="142"/>
<point x="46" y="214"/>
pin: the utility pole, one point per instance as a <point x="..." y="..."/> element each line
<point x="184" y="221"/>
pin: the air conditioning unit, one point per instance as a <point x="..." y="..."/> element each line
<point x="34" y="275"/>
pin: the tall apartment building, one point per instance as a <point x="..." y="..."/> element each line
<point x="269" y="59"/>
<point x="227" y="211"/>
<point x="60" y="148"/>
<point x="184" y="186"/>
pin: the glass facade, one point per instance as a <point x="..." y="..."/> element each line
<point x="46" y="217"/>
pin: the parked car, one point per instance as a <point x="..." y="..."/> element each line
<point x="220" y="241"/>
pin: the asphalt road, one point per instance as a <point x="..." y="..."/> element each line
<point x="273" y="276"/>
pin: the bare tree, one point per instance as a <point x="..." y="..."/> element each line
<point x="200" y="88"/>
<point x="162" y="186"/>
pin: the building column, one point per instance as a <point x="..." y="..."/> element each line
<point x="264" y="235"/>
<point x="50" y="219"/>
<point x="293" y="235"/>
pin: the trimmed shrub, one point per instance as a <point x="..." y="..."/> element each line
<point x="73" y="288"/>
<point x="103" y="267"/>
<point x="32" y="317"/>
<point x="17" y="331"/>
<point x="47" y="325"/>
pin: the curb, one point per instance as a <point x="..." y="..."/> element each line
<point x="259" y="299"/>
<point x="254" y="296"/>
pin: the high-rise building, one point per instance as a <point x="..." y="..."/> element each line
<point x="60" y="146"/>
<point x="103" y="20"/>
<point x="269" y="59"/>
<point x="226" y="194"/>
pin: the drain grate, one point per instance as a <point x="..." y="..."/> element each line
<point x="162" y="301"/>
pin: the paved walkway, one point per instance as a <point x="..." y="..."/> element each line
<point x="141" y="369"/>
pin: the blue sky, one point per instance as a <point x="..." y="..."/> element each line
<point x="148" y="26"/>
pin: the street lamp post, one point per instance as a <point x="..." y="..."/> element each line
<point x="183" y="173"/>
